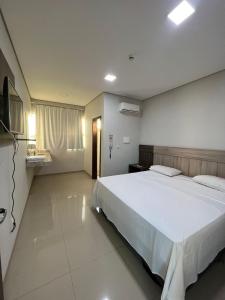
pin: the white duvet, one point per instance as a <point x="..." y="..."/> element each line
<point x="175" y="224"/>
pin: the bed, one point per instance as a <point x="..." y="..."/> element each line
<point x="176" y="225"/>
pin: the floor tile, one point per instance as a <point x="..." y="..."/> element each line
<point x="31" y="267"/>
<point x="86" y="245"/>
<point x="75" y="212"/>
<point x="59" y="289"/>
<point x="111" y="277"/>
<point x="39" y="225"/>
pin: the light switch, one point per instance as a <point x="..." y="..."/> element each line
<point x="126" y="140"/>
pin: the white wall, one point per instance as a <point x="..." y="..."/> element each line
<point x="113" y="122"/>
<point x="119" y="125"/>
<point x="92" y="110"/>
<point x="23" y="176"/>
<point x="189" y="116"/>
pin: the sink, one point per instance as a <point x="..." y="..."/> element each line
<point x="41" y="159"/>
<point x="36" y="158"/>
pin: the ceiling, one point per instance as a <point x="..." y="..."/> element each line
<point x="67" y="47"/>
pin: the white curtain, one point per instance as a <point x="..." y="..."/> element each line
<point x="58" y="128"/>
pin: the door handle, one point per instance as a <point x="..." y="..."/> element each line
<point x="3" y="213"/>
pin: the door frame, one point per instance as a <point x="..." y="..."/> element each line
<point x="1" y="283"/>
<point x="95" y="148"/>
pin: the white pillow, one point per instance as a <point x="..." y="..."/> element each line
<point x="165" y="170"/>
<point x="213" y="182"/>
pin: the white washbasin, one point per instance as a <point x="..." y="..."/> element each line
<point x="36" y="157"/>
<point x="39" y="160"/>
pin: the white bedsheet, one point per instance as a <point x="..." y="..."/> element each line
<point x="175" y="224"/>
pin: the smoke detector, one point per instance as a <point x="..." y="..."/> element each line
<point x="131" y="58"/>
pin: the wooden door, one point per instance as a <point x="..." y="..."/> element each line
<point x="96" y="163"/>
<point x="94" y="148"/>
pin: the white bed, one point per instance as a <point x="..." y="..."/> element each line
<point x="175" y="224"/>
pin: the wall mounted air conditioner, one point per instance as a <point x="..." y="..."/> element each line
<point x="125" y="107"/>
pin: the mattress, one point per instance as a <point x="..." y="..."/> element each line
<point x="175" y="224"/>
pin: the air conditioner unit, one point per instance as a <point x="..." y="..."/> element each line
<point x="125" y="107"/>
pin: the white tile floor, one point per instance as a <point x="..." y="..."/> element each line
<point x="67" y="251"/>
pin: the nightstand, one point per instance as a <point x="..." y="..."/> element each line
<point x="137" y="168"/>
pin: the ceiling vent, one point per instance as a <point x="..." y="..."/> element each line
<point x="125" y="107"/>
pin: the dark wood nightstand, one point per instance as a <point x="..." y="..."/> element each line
<point x="137" y="168"/>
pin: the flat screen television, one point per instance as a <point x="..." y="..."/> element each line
<point x="11" y="109"/>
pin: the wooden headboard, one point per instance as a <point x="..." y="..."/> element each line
<point x="190" y="161"/>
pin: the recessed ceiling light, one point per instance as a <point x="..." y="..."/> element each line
<point x="181" y="12"/>
<point x="110" y="77"/>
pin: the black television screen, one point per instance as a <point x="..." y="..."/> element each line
<point x="11" y="108"/>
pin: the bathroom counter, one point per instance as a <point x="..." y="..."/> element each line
<point x="41" y="159"/>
